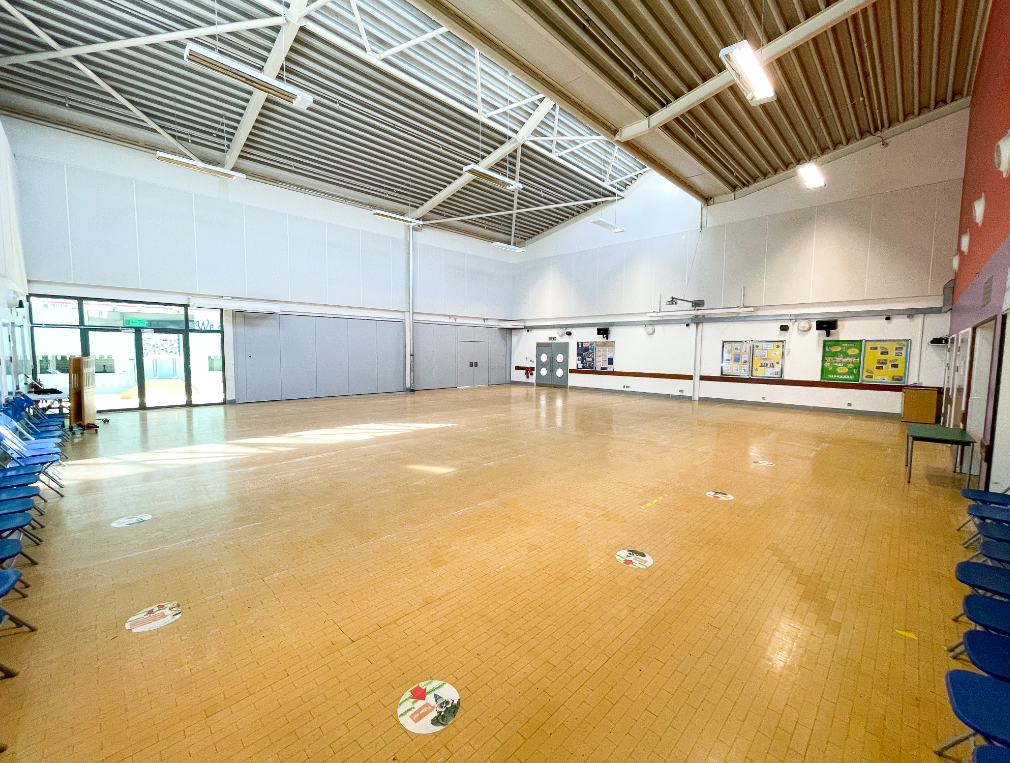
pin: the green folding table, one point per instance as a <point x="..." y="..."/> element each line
<point x="934" y="433"/>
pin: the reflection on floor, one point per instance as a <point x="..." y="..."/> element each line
<point x="328" y="555"/>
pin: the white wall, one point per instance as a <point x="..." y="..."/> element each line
<point x="12" y="266"/>
<point x="98" y="214"/>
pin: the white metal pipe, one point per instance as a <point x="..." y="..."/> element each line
<point x="412" y="43"/>
<point x="408" y="326"/>
<point x="696" y="380"/>
<point x="523" y="102"/>
<point x="520" y="211"/>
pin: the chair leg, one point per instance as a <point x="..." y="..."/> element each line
<point x="43" y="498"/>
<point x="23" y="583"/>
<point x="17" y="620"/>
<point x="971" y="540"/>
<point x="955" y="649"/>
<point x="30" y="560"/>
<point x="958" y="616"/>
<point x="974" y="556"/>
<point x="7" y="671"/>
<point x="940" y="749"/>
<point x="36" y="525"/>
<point x="965" y="522"/>
<point x="19" y="592"/>
<point x="33" y="538"/>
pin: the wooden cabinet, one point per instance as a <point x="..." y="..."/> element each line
<point x="921" y="405"/>
<point x="82" y="391"/>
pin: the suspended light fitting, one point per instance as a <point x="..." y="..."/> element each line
<point x="510" y="247"/>
<point x="608" y="225"/>
<point x="399" y="218"/>
<point x="492" y="177"/>
<point x="193" y="164"/>
<point x="247" y="75"/>
<point x="743" y="64"/>
<point x="811" y="174"/>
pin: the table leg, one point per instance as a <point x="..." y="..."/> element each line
<point x="971" y="458"/>
<point x="911" y="452"/>
<point x="906" y="451"/>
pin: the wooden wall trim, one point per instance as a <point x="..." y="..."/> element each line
<point x="640" y="374"/>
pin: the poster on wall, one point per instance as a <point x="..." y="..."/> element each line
<point x="884" y="360"/>
<point x="604" y="356"/>
<point x="767" y="359"/>
<point x="735" y="359"/>
<point x="586" y="356"/>
<point x="840" y="360"/>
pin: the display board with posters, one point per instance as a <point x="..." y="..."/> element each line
<point x="767" y="358"/>
<point x="841" y="360"/>
<point x="735" y="359"/>
<point x="604" y="356"/>
<point x="585" y="356"/>
<point x="884" y="360"/>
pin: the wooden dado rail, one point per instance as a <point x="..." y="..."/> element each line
<point x="737" y="379"/>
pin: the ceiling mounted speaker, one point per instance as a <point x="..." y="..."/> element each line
<point x="956" y="261"/>
<point x="650" y="330"/>
<point x="978" y="209"/>
<point x="964" y="242"/>
<point x="803" y="326"/>
<point x="1002" y="155"/>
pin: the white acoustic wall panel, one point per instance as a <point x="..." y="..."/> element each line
<point x="476" y="283"/>
<point x="103" y="228"/>
<point x="167" y="239"/>
<point x="583" y="283"/>
<point x="562" y="282"/>
<point x="790" y="257"/>
<point x="522" y="280"/>
<point x="266" y="254"/>
<point x="705" y="268"/>
<point x="298" y="356"/>
<point x="424" y="355"/>
<point x="45" y="229"/>
<point x="331" y="356"/>
<point x="745" y="261"/>
<point x="389" y="356"/>
<point x="638" y="274"/>
<point x="343" y="265"/>
<point x="376" y="270"/>
<point x="501" y="302"/>
<point x="610" y="280"/>
<point x="220" y="246"/>
<point x="306" y="260"/>
<point x="454" y="283"/>
<point x="901" y="243"/>
<point x="841" y="249"/>
<point x="430" y="277"/>
<point x="444" y="356"/>
<point x="945" y="234"/>
<point x="361" y="357"/>
<point x="498" y="355"/>
<point x="398" y="260"/>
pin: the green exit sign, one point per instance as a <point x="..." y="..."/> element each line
<point x="552" y="339"/>
<point x="135" y="322"/>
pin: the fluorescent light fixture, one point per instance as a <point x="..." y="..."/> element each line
<point x="247" y="75"/>
<point x="399" y="218"/>
<point x="608" y="225"/>
<point x="743" y="64"/>
<point x="510" y="247"/>
<point x="193" y="164"/>
<point x="811" y="174"/>
<point x="493" y="177"/>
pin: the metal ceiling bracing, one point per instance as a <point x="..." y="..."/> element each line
<point x="394" y="120"/>
<point x="891" y="64"/>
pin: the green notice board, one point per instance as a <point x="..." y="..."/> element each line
<point x="841" y="360"/>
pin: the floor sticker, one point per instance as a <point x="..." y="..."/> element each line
<point x="127" y="521"/>
<point x="763" y="463"/>
<point x="907" y="634"/>
<point x="653" y="502"/>
<point x="154" y="617"/>
<point x="633" y="558"/>
<point x="428" y="707"/>
<point x="720" y="496"/>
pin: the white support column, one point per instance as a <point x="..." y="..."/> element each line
<point x="696" y="381"/>
<point x="408" y="324"/>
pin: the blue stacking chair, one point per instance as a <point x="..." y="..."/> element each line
<point x="986" y="496"/>
<point x="984" y="578"/>
<point x="10" y="550"/>
<point x="991" y="753"/>
<point x="985" y="612"/>
<point x="994" y="531"/>
<point x="12" y="523"/>
<point x="980" y="703"/>
<point x="994" y="552"/>
<point x="990" y="653"/>
<point x="8" y="579"/>
<point x="984" y="512"/>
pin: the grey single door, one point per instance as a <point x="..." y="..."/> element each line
<point x="389" y="356"/>
<point x="362" y="361"/>
<point x="331" y="356"/>
<point x="544" y="368"/>
<point x="559" y="364"/>
<point x="479" y="356"/>
<point x="298" y="356"/>
<point x="263" y="357"/>
<point x="464" y="365"/>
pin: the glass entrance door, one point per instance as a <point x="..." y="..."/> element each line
<point x="164" y="380"/>
<point x="116" y="382"/>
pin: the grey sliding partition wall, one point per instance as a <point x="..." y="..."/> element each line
<point x="439" y="348"/>
<point x="286" y="357"/>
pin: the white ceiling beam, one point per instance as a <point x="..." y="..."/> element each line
<point x="491" y="159"/>
<point x="523" y="102"/>
<point x="282" y="44"/>
<point x="95" y="78"/>
<point x="412" y="43"/>
<point x="135" y="42"/>
<point x="522" y="209"/>
<point x="798" y="35"/>
<point x="361" y="27"/>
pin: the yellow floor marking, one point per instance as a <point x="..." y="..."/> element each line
<point x="654" y="501"/>
<point x="906" y="634"/>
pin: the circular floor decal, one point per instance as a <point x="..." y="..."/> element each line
<point x="634" y="558"/>
<point x="763" y="463"/>
<point x="428" y="707"/>
<point x="718" y="495"/>
<point x="127" y="521"/>
<point x="154" y="617"/>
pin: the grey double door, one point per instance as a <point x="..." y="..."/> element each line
<point x="472" y="364"/>
<point x="552" y="364"/>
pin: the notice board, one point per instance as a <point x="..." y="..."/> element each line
<point x="884" y="360"/>
<point x="841" y="360"/>
<point x="767" y="359"/>
<point x="604" y="356"/>
<point x="585" y="355"/>
<point x="735" y="359"/>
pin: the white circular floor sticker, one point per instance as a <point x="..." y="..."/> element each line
<point x="633" y="558"/>
<point x="428" y="707"/>
<point x="154" y="617"/>
<point x="135" y="520"/>
<point x="763" y="463"/>
<point x="719" y="496"/>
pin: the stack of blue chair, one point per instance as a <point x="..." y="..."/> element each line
<point x="981" y="701"/>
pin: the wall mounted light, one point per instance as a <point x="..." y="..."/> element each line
<point x="963" y="246"/>
<point x="978" y="209"/>
<point x="956" y="261"/>
<point x="1002" y="155"/>
<point x="811" y="175"/>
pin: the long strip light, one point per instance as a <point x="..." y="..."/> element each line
<point x="493" y="177"/>
<point x="510" y="247"/>
<point x="193" y="164"/>
<point x="811" y="174"/>
<point x="399" y="218"/>
<point x="743" y="64"/>
<point x="247" y="75"/>
<point x="608" y="225"/>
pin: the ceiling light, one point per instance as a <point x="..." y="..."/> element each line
<point x="743" y="64"/>
<point x="399" y="218"/>
<point x="608" y="225"/>
<point x="811" y="174"/>
<point x="193" y="164"/>
<point x="247" y="75"/>
<point x="510" y="247"/>
<point x="493" y="177"/>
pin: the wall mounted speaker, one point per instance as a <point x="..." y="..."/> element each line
<point x="827" y="326"/>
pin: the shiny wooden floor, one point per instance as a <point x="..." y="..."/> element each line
<point x="330" y="554"/>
